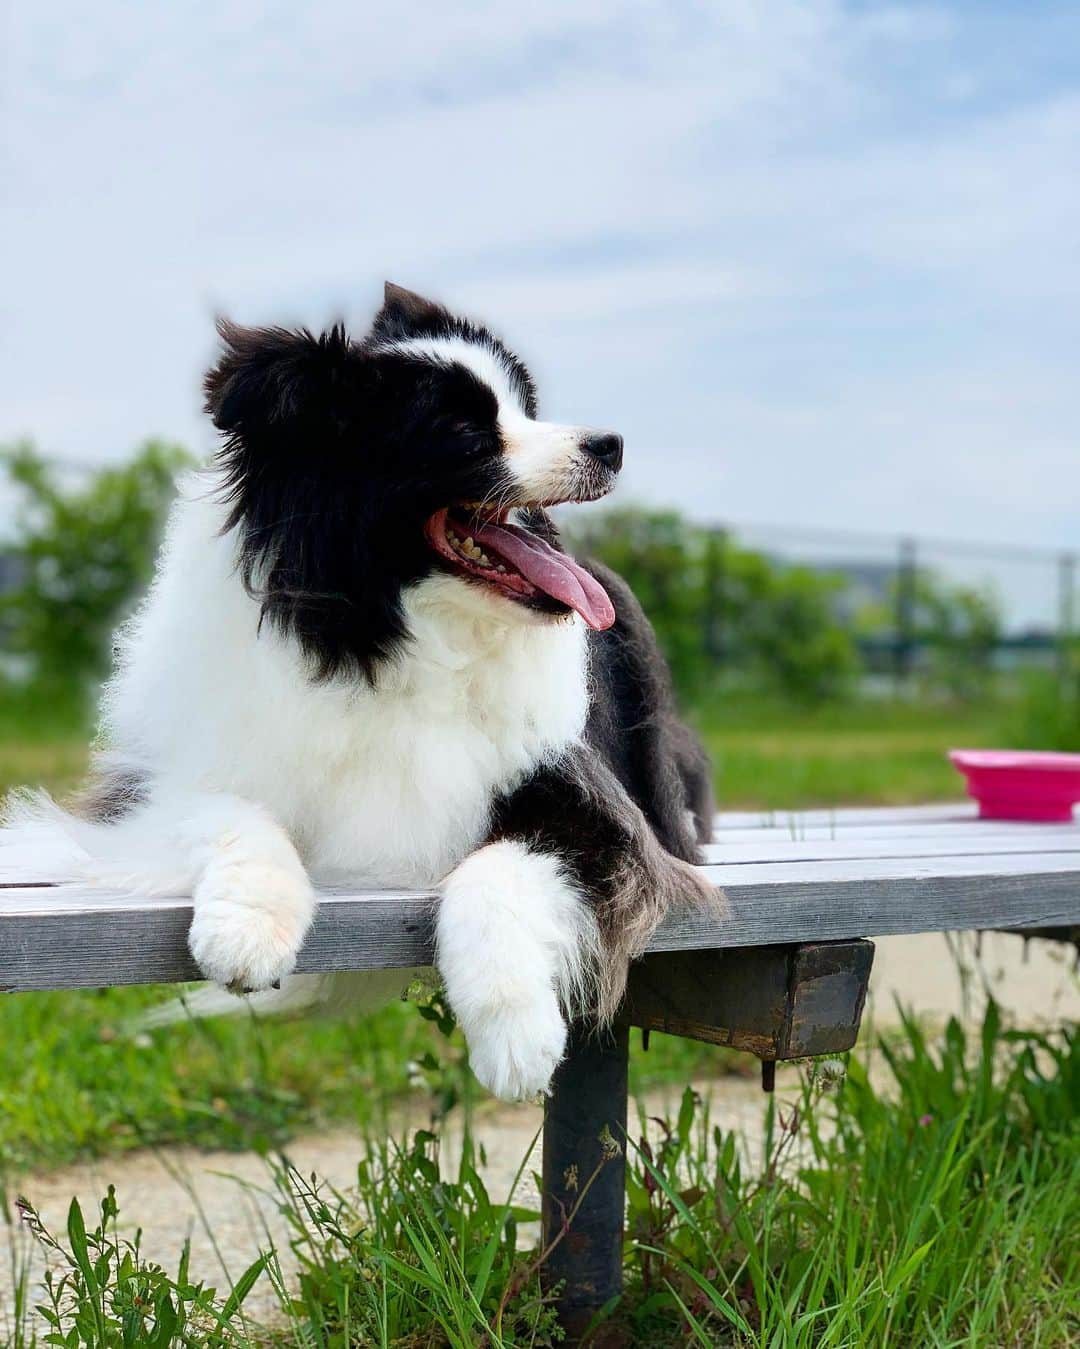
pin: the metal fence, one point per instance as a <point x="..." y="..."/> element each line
<point x="1034" y="590"/>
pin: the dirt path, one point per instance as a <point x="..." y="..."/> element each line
<point x="182" y="1192"/>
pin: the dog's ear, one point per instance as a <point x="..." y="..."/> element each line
<point x="268" y="376"/>
<point x="406" y="314"/>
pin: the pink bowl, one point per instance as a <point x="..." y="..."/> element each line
<point x="1021" y="784"/>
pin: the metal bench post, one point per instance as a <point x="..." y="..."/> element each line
<point x="585" y="1146"/>
<point x="778" y="1002"/>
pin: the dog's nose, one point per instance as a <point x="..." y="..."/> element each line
<point x="606" y="447"/>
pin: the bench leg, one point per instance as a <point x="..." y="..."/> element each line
<point x="585" y="1129"/>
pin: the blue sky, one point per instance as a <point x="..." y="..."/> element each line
<point x="817" y="261"/>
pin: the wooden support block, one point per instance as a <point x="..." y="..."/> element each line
<point x="778" y="1002"/>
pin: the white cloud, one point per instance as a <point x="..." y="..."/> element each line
<point x="817" y="261"/>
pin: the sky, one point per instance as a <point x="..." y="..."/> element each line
<point x="819" y="262"/>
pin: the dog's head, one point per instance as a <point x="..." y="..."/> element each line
<point x="356" y="469"/>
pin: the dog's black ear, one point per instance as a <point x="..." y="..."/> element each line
<point x="268" y="376"/>
<point x="406" y="314"/>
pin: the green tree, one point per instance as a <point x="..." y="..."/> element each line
<point x="81" y="555"/>
<point x="959" y="626"/>
<point x="1047" y="713"/>
<point x="663" y="561"/>
<point x="785" y="622"/>
<point x="773" y="623"/>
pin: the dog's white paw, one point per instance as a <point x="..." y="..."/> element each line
<point x="514" y="1049"/>
<point x="250" y="922"/>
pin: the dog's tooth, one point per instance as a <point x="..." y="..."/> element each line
<point x="468" y="544"/>
<point x="500" y="567"/>
<point x="485" y="559"/>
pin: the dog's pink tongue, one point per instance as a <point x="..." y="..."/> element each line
<point x="551" y="571"/>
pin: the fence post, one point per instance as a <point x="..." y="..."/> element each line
<point x="906" y="576"/>
<point x="715" y="563"/>
<point x="1066" y="613"/>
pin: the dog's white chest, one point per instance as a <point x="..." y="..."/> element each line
<point x="405" y="792"/>
<point x="406" y="796"/>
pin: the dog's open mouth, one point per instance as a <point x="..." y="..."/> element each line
<point x="517" y="562"/>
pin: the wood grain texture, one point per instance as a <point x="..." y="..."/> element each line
<point x="854" y="846"/>
<point x="784" y="893"/>
<point x="988" y="830"/>
<point x="853" y="815"/>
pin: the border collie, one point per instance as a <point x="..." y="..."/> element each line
<point x="366" y="659"/>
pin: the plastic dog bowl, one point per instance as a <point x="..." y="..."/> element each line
<point x="1021" y="784"/>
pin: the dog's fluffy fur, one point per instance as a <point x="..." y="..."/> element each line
<point x="327" y="684"/>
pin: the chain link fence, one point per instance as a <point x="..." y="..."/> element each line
<point x="1025" y="596"/>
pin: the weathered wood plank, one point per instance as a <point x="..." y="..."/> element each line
<point x="51" y="940"/>
<point x="886" y="833"/>
<point x="942" y="811"/>
<point x="1065" y="841"/>
<point x="116" y="940"/>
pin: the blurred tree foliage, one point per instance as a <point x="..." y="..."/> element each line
<point x="953" y="628"/>
<point x="959" y="626"/>
<point x="1047" y="714"/>
<point x="716" y="606"/>
<point x="81" y="554"/>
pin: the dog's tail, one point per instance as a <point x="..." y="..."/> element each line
<point x="41" y="843"/>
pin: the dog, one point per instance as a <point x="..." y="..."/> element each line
<point x="367" y="659"/>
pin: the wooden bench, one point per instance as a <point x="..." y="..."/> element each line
<point x="784" y="976"/>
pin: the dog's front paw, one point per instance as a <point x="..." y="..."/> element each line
<point x="250" y="922"/>
<point x="514" y="1049"/>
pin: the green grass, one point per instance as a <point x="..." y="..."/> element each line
<point x="75" y="1084"/>
<point x="778" y="757"/>
<point x="43" y="739"/>
<point x="939" y="1209"/>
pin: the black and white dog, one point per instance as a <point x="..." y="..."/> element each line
<point x="366" y="659"/>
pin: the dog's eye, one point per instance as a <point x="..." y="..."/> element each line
<point x="469" y="437"/>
